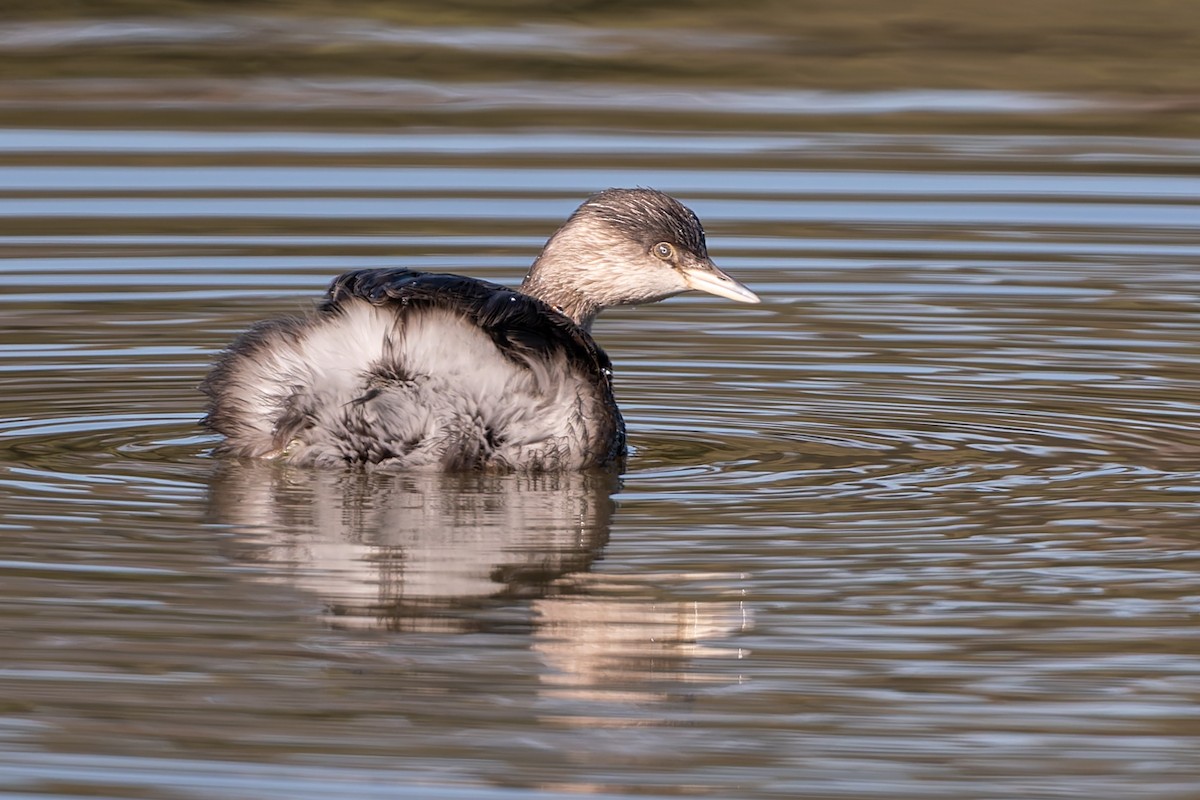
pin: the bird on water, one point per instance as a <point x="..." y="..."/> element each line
<point x="414" y="370"/>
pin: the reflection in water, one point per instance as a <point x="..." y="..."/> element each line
<point x="597" y="647"/>
<point x="433" y="552"/>
<point x="406" y="551"/>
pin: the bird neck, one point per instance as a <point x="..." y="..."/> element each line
<point x="546" y="286"/>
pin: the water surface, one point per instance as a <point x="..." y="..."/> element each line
<point x="922" y="524"/>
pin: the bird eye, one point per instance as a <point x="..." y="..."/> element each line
<point x="664" y="250"/>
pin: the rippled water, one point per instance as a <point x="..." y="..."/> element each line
<point x="923" y="524"/>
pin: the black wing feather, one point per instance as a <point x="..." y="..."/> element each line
<point x="520" y="325"/>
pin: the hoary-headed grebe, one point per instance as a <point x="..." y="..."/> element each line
<point x="412" y="370"/>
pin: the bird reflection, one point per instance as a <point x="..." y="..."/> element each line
<point x="437" y="552"/>
<point x="411" y="551"/>
<point x="595" y="645"/>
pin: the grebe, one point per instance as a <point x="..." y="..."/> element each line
<point x="412" y="370"/>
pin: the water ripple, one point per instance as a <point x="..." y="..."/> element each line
<point x="920" y="523"/>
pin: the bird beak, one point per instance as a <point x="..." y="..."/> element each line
<point x="703" y="276"/>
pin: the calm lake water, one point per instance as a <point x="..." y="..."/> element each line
<point x="924" y="524"/>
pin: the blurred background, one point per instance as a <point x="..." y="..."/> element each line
<point x="922" y="524"/>
<point x="1100" y="66"/>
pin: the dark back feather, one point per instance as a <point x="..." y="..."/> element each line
<point x="521" y="326"/>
